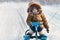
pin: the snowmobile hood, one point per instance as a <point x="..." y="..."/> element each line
<point x="31" y="4"/>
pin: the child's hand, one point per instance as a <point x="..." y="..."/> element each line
<point x="47" y="30"/>
<point x="30" y="24"/>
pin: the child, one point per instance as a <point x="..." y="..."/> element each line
<point x="35" y="15"/>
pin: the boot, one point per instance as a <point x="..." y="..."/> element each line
<point x="43" y="37"/>
<point x="27" y="36"/>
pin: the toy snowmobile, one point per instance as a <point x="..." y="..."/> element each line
<point x="36" y="25"/>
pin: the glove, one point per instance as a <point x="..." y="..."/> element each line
<point x="47" y="30"/>
<point x="30" y="24"/>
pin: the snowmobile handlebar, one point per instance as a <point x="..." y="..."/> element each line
<point x="35" y="24"/>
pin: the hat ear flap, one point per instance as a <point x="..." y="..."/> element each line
<point x="29" y="10"/>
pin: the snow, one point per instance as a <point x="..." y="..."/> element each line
<point x="13" y="20"/>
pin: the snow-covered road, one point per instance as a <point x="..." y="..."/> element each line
<point x="13" y="17"/>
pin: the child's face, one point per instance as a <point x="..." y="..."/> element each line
<point x="34" y="10"/>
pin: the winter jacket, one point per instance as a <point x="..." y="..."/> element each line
<point x="38" y="18"/>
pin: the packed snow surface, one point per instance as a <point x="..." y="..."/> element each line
<point x="13" y="20"/>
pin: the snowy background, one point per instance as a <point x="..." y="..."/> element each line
<point x="13" y="20"/>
